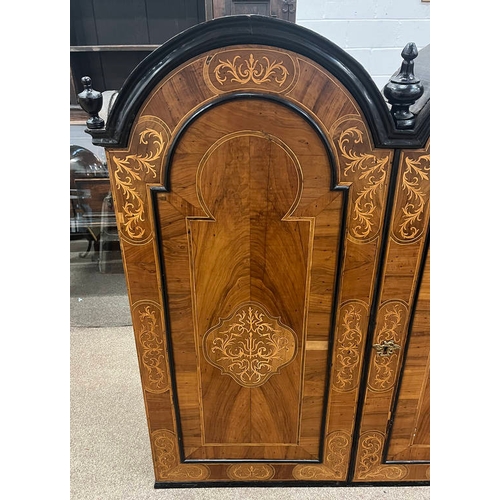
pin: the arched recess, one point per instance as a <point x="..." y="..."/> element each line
<point x="250" y="192"/>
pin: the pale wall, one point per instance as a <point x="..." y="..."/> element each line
<point x="373" y="31"/>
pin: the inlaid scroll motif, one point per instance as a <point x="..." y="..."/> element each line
<point x="165" y="457"/>
<point x="392" y="320"/>
<point x="336" y="460"/>
<point x="413" y="200"/>
<point x="151" y="346"/>
<point x="368" y="173"/>
<point x="250" y="472"/>
<point x="251" y="69"/>
<point x="370" y="457"/>
<point x="131" y="172"/>
<point x="250" y="345"/>
<point x="353" y="317"/>
<point x="263" y="69"/>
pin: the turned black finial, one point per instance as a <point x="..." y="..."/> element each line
<point x="404" y="89"/>
<point x="91" y="101"/>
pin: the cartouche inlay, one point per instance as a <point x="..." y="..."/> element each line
<point x="250" y="345"/>
<point x="251" y="70"/>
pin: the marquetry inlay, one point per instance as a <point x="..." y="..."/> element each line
<point x="166" y="460"/>
<point x="414" y="193"/>
<point x="250" y="345"/>
<point x="371" y="173"/>
<point x="250" y="472"/>
<point x="272" y="224"/>
<point x="353" y="321"/>
<point x="131" y="170"/>
<point x="390" y="330"/>
<point x="369" y="465"/>
<point x="262" y="69"/>
<point x="336" y="460"/>
<point x="151" y="346"/>
<point x="251" y="69"/>
<point x="127" y="172"/>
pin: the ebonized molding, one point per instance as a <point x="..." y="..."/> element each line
<point x="283" y="484"/>
<point x="254" y="29"/>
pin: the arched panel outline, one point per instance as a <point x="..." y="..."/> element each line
<point x="334" y="185"/>
<point x="252" y="95"/>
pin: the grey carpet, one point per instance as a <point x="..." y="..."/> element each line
<point x="96" y="299"/>
<point x="110" y="451"/>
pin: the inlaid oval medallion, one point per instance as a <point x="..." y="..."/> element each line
<point x="251" y="345"/>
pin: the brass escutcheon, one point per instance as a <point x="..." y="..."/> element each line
<point x="386" y="347"/>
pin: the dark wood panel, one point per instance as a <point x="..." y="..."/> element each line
<point x="82" y="23"/>
<point x="121" y="22"/>
<point x="116" y="65"/>
<point x="261" y="8"/>
<point x="281" y="9"/>
<point x="125" y="24"/>
<point x="166" y="19"/>
<point x="108" y="69"/>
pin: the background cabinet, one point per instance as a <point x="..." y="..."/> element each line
<point x="110" y="37"/>
<point x="274" y="226"/>
<point x="280" y="9"/>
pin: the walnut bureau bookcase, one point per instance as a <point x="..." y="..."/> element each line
<point x="273" y="212"/>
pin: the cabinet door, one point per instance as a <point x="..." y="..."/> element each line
<point x="394" y="434"/>
<point x="409" y="433"/>
<point x="250" y="203"/>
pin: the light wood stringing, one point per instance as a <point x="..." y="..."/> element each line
<point x="318" y="244"/>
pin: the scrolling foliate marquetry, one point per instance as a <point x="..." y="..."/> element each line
<point x="250" y="345"/>
<point x="369" y="466"/>
<point x="151" y="346"/>
<point x="336" y="460"/>
<point x="391" y="328"/>
<point x="250" y="472"/>
<point x="413" y="200"/>
<point x="367" y="169"/>
<point x="250" y="69"/>
<point x="131" y="171"/>
<point x="353" y="321"/>
<point x="166" y="461"/>
<point x="402" y="264"/>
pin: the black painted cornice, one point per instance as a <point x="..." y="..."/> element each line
<point x="259" y="30"/>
